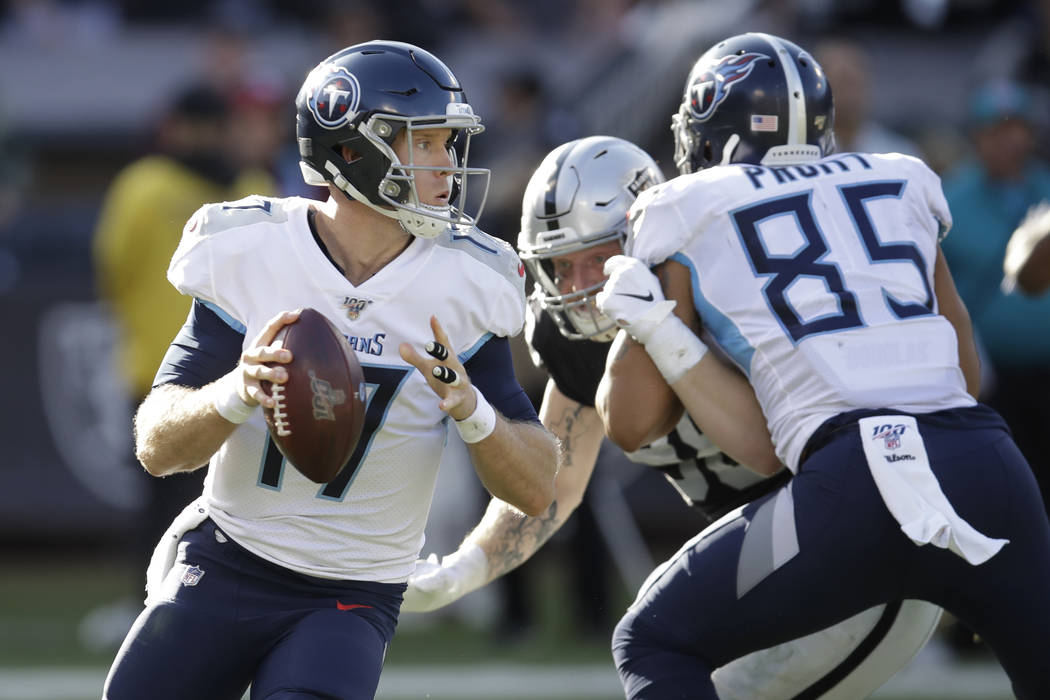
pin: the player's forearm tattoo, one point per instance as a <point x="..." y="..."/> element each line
<point x="518" y="536"/>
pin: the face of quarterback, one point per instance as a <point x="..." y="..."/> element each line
<point x="427" y="149"/>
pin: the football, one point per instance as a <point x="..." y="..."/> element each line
<point x="320" y="410"/>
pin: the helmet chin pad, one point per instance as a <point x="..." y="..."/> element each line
<point x="311" y="176"/>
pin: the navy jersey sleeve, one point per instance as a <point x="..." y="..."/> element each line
<point x="491" y="370"/>
<point x="205" y="349"/>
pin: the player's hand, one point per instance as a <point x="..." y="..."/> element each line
<point x="434" y="585"/>
<point x="633" y="298"/>
<point x="1034" y="227"/>
<point x="251" y="369"/>
<point x="444" y="373"/>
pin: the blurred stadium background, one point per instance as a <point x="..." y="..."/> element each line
<point x="82" y="86"/>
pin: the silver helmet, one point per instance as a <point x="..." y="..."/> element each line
<point x="578" y="198"/>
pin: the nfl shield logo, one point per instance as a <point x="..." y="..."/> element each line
<point x="354" y="307"/>
<point x="890" y="435"/>
<point x="192" y="575"/>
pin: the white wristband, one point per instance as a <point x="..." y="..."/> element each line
<point x="229" y="404"/>
<point x="674" y="348"/>
<point x="479" y="424"/>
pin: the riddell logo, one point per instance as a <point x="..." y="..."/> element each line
<point x="898" y="458"/>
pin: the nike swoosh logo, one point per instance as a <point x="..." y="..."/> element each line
<point x="647" y="297"/>
<point x="350" y="606"/>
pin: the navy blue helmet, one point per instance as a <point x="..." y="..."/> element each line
<point x="364" y="96"/>
<point x="753" y="98"/>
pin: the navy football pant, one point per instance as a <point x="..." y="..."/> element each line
<point x="231" y="618"/>
<point x="852" y="555"/>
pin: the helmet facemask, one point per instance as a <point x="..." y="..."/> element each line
<point x="398" y="190"/>
<point x="396" y="195"/>
<point x="575" y="313"/>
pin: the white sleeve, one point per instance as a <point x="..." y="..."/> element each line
<point x="937" y="203"/>
<point x="206" y="265"/>
<point x="509" y="316"/>
<point x="493" y="280"/>
<point x="658" y="226"/>
<point x="932" y="201"/>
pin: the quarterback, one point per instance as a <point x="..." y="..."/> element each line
<point x="574" y="216"/>
<point x="819" y="276"/>
<point x="270" y="579"/>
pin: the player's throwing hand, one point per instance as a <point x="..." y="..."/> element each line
<point x="444" y="373"/>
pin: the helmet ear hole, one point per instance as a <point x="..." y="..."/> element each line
<point x="349" y="154"/>
<point x="709" y="155"/>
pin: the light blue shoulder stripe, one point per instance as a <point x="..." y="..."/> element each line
<point x="229" y="320"/>
<point x="721" y="328"/>
<point x="469" y="353"/>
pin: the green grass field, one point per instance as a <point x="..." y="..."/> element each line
<point x="43" y="655"/>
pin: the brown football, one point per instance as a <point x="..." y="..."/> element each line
<point x="321" y="408"/>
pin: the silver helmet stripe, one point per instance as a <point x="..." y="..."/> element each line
<point x="796" y="133"/>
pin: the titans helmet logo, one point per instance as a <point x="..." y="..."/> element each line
<point x="711" y="86"/>
<point x="335" y="97"/>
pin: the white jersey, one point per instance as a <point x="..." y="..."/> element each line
<point x="817" y="280"/>
<point x="251" y="259"/>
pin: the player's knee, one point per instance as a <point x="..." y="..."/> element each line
<point x="651" y="669"/>
<point x="630" y="641"/>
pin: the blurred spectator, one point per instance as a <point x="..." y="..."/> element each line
<point x="261" y="138"/>
<point x="989" y="195"/>
<point x="848" y="68"/>
<point x="349" y="23"/>
<point x="1018" y="49"/>
<point x="49" y="23"/>
<point x="138" y="230"/>
<point x="517" y="136"/>
<point x="14" y="171"/>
